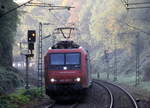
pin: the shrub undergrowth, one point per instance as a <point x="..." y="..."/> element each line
<point x="19" y="98"/>
<point x="9" y="79"/>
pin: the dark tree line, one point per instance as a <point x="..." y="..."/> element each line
<point x="9" y="77"/>
<point x="8" y="25"/>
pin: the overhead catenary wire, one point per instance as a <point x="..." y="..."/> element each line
<point x="136" y="5"/>
<point x="57" y="19"/>
<point x="139" y="3"/>
<point x="136" y="28"/>
<point x="11" y="10"/>
<point x="124" y="3"/>
<point x="131" y="26"/>
<point x="140" y="7"/>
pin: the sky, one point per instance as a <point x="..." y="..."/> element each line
<point x="20" y="1"/>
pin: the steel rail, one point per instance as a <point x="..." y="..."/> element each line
<point x="109" y="92"/>
<point x="125" y="91"/>
<point x="51" y="106"/>
<point x="74" y="105"/>
<point x="54" y="105"/>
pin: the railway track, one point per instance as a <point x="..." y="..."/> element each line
<point x="121" y="97"/>
<point x="55" y="105"/>
<point x="51" y="105"/>
<point x="104" y="99"/>
<point x="75" y="105"/>
<point x="101" y="95"/>
<point x="111" y="100"/>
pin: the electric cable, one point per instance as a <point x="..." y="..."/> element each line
<point x="124" y="3"/>
<point x="139" y="3"/>
<point x="136" y="28"/>
<point x="57" y="18"/>
<point x="11" y="10"/>
<point x="131" y="26"/>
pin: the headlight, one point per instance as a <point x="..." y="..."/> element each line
<point x="65" y="68"/>
<point x="78" y="79"/>
<point x="52" y="80"/>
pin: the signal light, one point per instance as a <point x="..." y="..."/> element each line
<point x="31" y="46"/>
<point x="31" y="39"/>
<point x="3" y="7"/>
<point x="31" y="35"/>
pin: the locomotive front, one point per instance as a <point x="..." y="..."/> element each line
<point x="66" y="70"/>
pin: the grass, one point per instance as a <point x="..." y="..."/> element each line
<point x="19" y="98"/>
<point x="125" y="79"/>
<point x="145" y="86"/>
<point x="141" y="91"/>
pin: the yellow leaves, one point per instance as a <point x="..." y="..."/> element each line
<point x="112" y="24"/>
<point x="64" y="2"/>
<point x="104" y="22"/>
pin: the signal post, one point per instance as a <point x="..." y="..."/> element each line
<point x="31" y="40"/>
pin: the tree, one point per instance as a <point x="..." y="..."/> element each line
<point x="8" y="25"/>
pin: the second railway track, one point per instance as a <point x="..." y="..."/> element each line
<point x="121" y="97"/>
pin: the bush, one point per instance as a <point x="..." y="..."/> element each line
<point x="19" y="98"/>
<point x="8" y="80"/>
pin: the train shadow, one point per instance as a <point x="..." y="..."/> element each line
<point x="71" y="98"/>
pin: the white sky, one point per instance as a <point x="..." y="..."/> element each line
<point x="20" y="1"/>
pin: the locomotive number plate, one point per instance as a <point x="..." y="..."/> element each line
<point x="65" y="80"/>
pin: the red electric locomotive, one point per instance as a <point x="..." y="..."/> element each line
<point x="67" y="70"/>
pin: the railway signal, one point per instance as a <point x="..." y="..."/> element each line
<point x="31" y="39"/>
<point x="31" y="36"/>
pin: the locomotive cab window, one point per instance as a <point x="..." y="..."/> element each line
<point x="59" y="60"/>
<point x="73" y="59"/>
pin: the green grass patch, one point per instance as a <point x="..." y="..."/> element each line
<point x="121" y="78"/>
<point x="19" y="98"/>
<point x="143" y="89"/>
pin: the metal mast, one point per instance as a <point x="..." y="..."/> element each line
<point x="115" y="60"/>
<point x="27" y="71"/>
<point x="40" y="61"/>
<point x="107" y="62"/>
<point x="40" y="57"/>
<point x="131" y="6"/>
<point x="137" y="60"/>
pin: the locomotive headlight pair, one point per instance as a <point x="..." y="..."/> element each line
<point x="78" y="79"/>
<point x="52" y="80"/>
